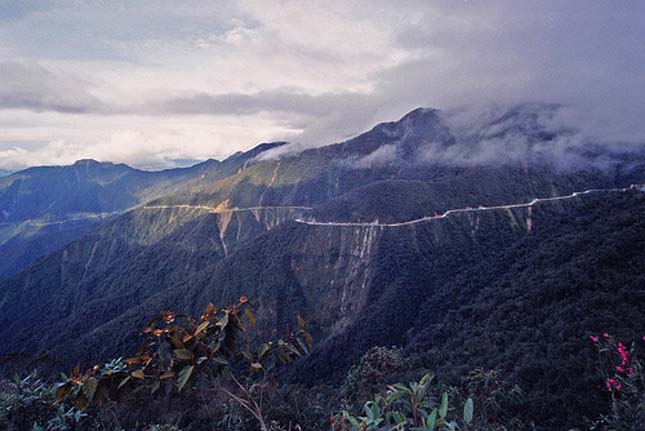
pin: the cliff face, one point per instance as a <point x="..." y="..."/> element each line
<point x="116" y="267"/>
<point x="332" y="266"/>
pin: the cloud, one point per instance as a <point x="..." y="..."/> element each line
<point x="314" y="73"/>
<point x="27" y="85"/>
<point x="289" y="101"/>
<point x="524" y="133"/>
<point x="381" y="156"/>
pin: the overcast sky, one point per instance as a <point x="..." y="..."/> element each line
<point x="164" y="82"/>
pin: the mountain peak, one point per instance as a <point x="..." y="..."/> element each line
<point x="82" y="162"/>
<point x="258" y="149"/>
<point x="420" y="114"/>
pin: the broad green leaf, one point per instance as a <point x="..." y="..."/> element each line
<point x="89" y="388"/>
<point x="395" y="395"/>
<point x="431" y="420"/>
<point x="468" y="411"/>
<point x="443" y="408"/>
<point x="184" y="376"/>
<point x="376" y="410"/>
<point x="368" y="411"/>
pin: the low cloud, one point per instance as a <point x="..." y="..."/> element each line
<point x="524" y="133"/>
<point x="30" y="86"/>
<point x="383" y="155"/>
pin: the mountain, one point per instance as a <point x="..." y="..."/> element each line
<point x="4" y="172"/>
<point x="295" y="234"/>
<point x="44" y="208"/>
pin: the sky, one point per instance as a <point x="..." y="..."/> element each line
<point x="157" y="84"/>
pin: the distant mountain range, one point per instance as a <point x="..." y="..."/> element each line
<point x="44" y="208"/>
<point x="181" y="238"/>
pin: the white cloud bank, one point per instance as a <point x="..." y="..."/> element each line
<point x="190" y="80"/>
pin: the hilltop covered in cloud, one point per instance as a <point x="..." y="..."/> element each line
<point x="163" y="82"/>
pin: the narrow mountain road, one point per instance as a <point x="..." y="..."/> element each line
<point x="405" y="223"/>
<point x="216" y="210"/>
<point x="468" y="209"/>
<point x="44" y="222"/>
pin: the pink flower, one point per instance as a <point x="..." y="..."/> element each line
<point x="643" y="337"/>
<point x="618" y="386"/>
<point x="630" y="371"/>
<point x="594" y="339"/>
<point x="624" y="354"/>
<point x="620" y="369"/>
<point x="606" y="335"/>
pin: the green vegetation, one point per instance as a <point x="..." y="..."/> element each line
<point x="211" y="373"/>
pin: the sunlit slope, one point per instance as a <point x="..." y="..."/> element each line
<point x="45" y="208"/>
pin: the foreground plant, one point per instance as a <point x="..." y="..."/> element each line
<point x="624" y="381"/>
<point x="27" y="403"/>
<point x="406" y="407"/>
<point x="213" y="351"/>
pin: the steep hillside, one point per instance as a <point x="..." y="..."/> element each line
<point x="44" y="208"/>
<point x="118" y="266"/>
<point x="528" y="309"/>
<point x="21" y="243"/>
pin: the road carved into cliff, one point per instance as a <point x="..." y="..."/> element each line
<point x="404" y="223"/>
<point x="468" y="209"/>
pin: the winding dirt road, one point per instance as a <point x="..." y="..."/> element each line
<point x="468" y="209"/>
<point x="405" y="223"/>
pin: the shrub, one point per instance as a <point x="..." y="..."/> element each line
<point x="27" y="403"/>
<point x="624" y="382"/>
<point x="212" y="353"/>
<point x="406" y="407"/>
